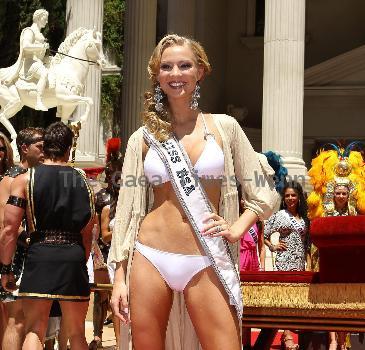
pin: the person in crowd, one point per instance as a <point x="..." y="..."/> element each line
<point x="30" y="148"/>
<point x="59" y="205"/>
<point x="341" y="208"/>
<point x="55" y="335"/>
<point x="171" y="252"/>
<point x="107" y="226"/>
<point x="6" y="162"/>
<point x="6" y="155"/>
<point x="252" y="258"/>
<point x="293" y="248"/>
<point x="339" y="190"/>
<point x="252" y="249"/>
<point x="100" y="250"/>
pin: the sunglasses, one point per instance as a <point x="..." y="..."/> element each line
<point x="2" y="149"/>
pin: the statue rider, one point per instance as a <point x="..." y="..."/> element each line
<point x="30" y="64"/>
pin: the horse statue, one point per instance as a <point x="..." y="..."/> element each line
<point x="67" y="71"/>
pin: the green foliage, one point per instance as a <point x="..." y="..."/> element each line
<point x="110" y="100"/>
<point x="114" y="11"/>
<point x="9" y="29"/>
<point x="55" y="31"/>
<point x="2" y="19"/>
<point x="113" y="28"/>
<point x="26" y="10"/>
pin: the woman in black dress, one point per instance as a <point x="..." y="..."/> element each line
<point x="60" y="215"/>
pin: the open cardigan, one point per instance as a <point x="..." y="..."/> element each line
<point x="241" y="163"/>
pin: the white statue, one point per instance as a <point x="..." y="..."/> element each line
<point x="30" y="65"/>
<point x="41" y="82"/>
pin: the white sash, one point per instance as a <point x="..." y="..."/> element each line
<point x="253" y="234"/>
<point x="298" y="226"/>
<point x="193" y="199"/>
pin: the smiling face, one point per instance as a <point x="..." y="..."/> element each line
<point x="341" y="196"/>
<point x="179" y="72"/>
<point x="291" y="199"/>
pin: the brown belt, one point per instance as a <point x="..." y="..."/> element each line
<point x="55" y="237"/>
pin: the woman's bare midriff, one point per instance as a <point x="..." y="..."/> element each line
<point x="167" y="228"/>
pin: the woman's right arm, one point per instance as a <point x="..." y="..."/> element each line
<point x="270" y="227"/>
<point x="119" y="298"/>
<point x="106" y="233"/>
<point x="125" y="226"/>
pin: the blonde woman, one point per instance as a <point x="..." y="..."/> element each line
<point x="177" y="224"/>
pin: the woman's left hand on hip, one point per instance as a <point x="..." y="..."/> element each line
<point x="216" y="226"/>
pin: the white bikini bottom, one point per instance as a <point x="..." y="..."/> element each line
<point x="176" y="269"/>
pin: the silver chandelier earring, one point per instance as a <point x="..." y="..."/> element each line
<point x="194" y="104"/>
<point x="157" y="97"/>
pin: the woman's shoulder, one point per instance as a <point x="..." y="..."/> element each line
<point x="136" y="136"/>
<point x="224" y="119"/>
<point x="230" y="127"/>
<point x="135" y="141"/>
<point x="227" y="125"/>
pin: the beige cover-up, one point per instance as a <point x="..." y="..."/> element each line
<point x="136" y="197"/>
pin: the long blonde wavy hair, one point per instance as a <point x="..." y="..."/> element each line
<point x="159" y="123"/>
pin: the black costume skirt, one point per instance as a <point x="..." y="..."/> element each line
<point x="56" y="272"/>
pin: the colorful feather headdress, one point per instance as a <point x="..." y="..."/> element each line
<point x="281" y="172"/>
<point x="332" y="168"/>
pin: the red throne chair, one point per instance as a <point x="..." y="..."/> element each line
<point x="341" y="244"/>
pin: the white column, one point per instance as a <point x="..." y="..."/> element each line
<point x="181" y="17"/>
<point x="140" y="40"/>
<point x="88" y="14"/>
<point x="282" y="120"/>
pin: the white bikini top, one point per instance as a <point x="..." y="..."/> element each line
<point x="210" y="164"/>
